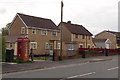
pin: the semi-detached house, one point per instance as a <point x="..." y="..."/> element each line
<point x="45" y="36"/>
<point x="75" y="36"/>
<point x="43" y="33"/>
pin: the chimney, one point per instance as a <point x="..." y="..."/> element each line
<point x="69" y="22"/>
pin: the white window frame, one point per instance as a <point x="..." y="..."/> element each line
<point x="22" y="30"/>
<point x="88" y="45"/>
<point x="71" y="47"/>
<point x="55" y="32"/>
<point x="46" y="46"/>
<point x="89" y="37"/>
<point x="34" y="31"/>
<point x="43" y="32"/>
<point x="80" y="45"/>
<point x="83" y="36"/>
<point x="10" y="45"/>
<point x="76" y="36"/>
<point x="59" y="45"/>
<point x="34" y="43"/>
<point x="51" y="44"/>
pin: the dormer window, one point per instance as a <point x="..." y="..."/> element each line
<point x="22" y="30"/>
<point x="43" y="32"/>
<point x="33" y="31"/>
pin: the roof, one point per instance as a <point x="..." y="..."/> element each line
<point x="112" y="32"/>
<point x="37" y="22"/>
<point x="99" y="40"/>
<point x="12" y="38"/>
<point x="115" y="33"/>
<point x="76" y="29"/>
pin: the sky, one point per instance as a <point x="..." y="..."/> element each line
<point x="94" y="15"/>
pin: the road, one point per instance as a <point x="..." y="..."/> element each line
<point x="101" y="69"/>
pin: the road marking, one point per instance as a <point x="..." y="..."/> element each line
<point x="112" y="68"/>
<point x="81" y="75"/>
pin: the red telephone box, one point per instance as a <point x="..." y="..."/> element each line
<point x="23" y="49"/>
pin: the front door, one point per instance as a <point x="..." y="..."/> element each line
<point x="51" y="50"/>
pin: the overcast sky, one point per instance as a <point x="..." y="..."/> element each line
<point x="95" y="15"/>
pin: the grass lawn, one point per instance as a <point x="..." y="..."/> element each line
<point x="41" y="58"/>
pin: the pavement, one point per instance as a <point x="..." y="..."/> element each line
<point x="8" y="67"/>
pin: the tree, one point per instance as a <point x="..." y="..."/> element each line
<point x="4" y="33"/>
<point x="5" y="30"/>
<point x="3" y="49"/>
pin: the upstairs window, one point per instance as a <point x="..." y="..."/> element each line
<point x="43" y="32"/>
<point x="76" y="35"/>
<point x="22" y="30"/>
<point x="54" y="33"/>
<point x="10" y="45"/>
<point x="83" y="36"/>
<point x="33" y="31"/>
<point x="89" y="37"/>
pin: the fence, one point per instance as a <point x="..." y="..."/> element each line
<point x="99" y="51"/>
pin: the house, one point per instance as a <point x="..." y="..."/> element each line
<point x="102" y="43"/>
<point x="75" y="36"/>
<point x="43" y="33"/>
<point x="113" y="36"/>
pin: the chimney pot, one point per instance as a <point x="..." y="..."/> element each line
<point x="69" y="22"/>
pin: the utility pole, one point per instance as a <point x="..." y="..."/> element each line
<point x="61" y="31"/>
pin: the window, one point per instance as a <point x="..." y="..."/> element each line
<point x="10" y="45"/>
<point x="81" y="46"/>
<point x="22" y="30"/>
<point x="33" y="31"/>
<point x="71" y="46"/>
<point x="33" y="45"/>
<point x="76" y="35"/>
<point x="51" y="46"/>
<point x="88" y="46"/>
<point x="83" y="36"/>
<point x="89" y="37"/>
<point x="43" y="32"/>
<point x="46" y="46"/>
<point x="58" y="47"/>
<point x="54" y="33"/>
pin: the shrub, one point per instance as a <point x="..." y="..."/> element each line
<point x="21" y="61"/>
